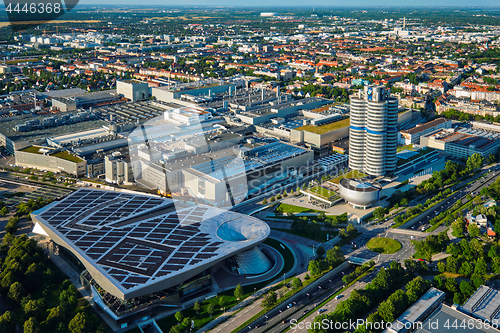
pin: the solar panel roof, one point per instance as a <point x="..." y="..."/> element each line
<point x="143" y="245"/>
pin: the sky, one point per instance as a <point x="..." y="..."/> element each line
<point x="302" y="3"/>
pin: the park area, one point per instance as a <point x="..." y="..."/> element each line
<point x="350" y="174"/>
<point x="383" y="245"/>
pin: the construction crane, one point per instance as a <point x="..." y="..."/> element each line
<point x="45" y="32"/>
<point x="57" y="28"/>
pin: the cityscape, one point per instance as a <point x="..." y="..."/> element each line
<point x="235" y="168"/>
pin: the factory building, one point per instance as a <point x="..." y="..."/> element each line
<point x="462" y="143"/>
<point x="51" y="159"/>
<point x="134" y="90"/>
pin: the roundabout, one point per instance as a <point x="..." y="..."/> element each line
<point x="383" y="245"/>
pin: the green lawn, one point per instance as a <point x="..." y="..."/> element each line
<point x="323" y="192"/>
<point x="67" y="156"/>
<point x="319" y="236"/>
<point x="384" y="245"/>
<point x="409" y="147"/>
<point x="32" y="149"/>
<point x="350" y="174"/>
<point x="325" y="128"/>
<point x="286" y="208"/>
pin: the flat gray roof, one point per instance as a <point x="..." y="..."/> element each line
<point x="484" y="303"/>
<point x="7" y="128"/>
<point x="443" y="319"/>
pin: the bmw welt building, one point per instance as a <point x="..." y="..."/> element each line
<point x="138" y="251"/>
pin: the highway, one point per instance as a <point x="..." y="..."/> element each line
<point x="484" y="179"/>
<point x="317" y="292"/>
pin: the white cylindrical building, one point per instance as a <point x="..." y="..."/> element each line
<point x="373" y="133"/>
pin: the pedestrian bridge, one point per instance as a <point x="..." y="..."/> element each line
<point x="357" y="260"/>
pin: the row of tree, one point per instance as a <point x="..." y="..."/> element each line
<point x="25" y="271"/>
<point x="334" y="257"/>
<point x="374" y="293"/>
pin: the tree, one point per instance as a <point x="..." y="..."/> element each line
<point x="466" y="269"/>
<point x="481" y="266"/>
<point x="179" y="316"/>
<point x="477" y="280"/>
<point x="320" y="251"/>
<point x="32" y="326"/>
<point x="415" y="288"/>
<point x="495" y="265"/>
<point x="296" y="283"/>
<point x="335" y="256"/>
<point x="8" y="238"/>
<point x="474" y="230"/>
<point x="238" y="292"/>
<point x="269" y="300"/>
<point x="16" y="292"/>
<point x="264" y="202"/>
<point x="7" y="323"/>
<point x="474" y="162"/>
<point x="457" y="298"/>
<point x="210" y="309"/>
<point x="458" y="227"/>
<point x="441" y="267"/>
<point x="314" y="267"/>
<point x="454" y="250"/>
<point x="386" y="311"/>
<point x="81" y="323"/>
<point x="379" y="213"/>
<point x="197" y="306"/>
<point x="466" y="288"/>
<point x="222" y="302"/>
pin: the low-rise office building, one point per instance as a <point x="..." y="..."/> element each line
<point x="51" y="159"/>
<point x="118" y="169"/>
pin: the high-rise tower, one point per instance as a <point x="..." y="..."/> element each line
<point x="373" y="136"/>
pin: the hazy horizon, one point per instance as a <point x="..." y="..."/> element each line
<point x="300" y="4"/>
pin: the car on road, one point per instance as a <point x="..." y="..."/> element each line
<point x="339" y="296"/>
<point x="320" y="311"/>
<point x="305" y="311"/>
<point x="289" y="306"/>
